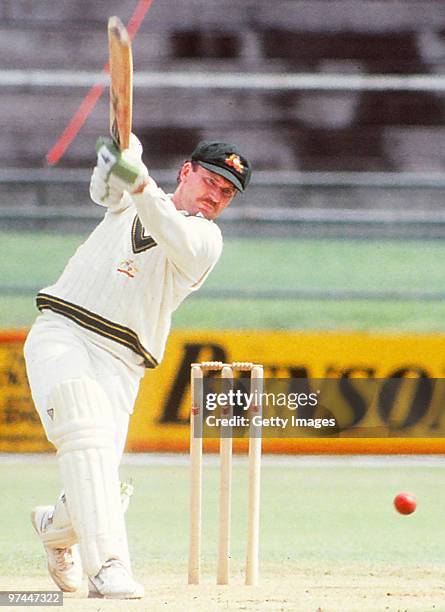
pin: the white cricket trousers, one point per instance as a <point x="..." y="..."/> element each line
<point x="57" y="350"/>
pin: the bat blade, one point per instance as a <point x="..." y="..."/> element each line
<point x="121" y="82"/>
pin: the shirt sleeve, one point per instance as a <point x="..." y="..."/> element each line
<point x="124" y="203"/>
<point x="193" y="244"/>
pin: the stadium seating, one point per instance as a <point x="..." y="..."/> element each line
<point x="292" y="130"/>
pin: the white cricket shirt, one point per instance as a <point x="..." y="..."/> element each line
<point x="142" y="260"/>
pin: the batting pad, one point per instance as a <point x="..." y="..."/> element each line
<point x="84" y="436"/>
<point x="59" y="532"/>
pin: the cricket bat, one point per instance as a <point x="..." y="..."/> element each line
<point x="121" y="82"/>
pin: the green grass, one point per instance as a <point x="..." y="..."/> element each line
<point x="32" y="260"/>
<point x="35" y="260"/>
<point x="309" y="513"/>
<point x="312" y="314"/>
<point x="330" y="264"/>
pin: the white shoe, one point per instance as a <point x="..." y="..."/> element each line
<point x="64" y="563"/>
<point x="114" y="581"/>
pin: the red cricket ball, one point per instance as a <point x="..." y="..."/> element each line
<point x="405" y="503"/>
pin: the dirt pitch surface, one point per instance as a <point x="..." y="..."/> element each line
<point x="287" y="586"/>
<point x="331" y="540"/>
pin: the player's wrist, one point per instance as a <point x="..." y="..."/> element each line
<point x="139" y="189"/>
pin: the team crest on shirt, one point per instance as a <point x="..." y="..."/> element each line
<point x="127" y="267"/>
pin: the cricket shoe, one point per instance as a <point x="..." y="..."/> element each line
<point x="64" y="563"/>
<point x="114" y="581"/>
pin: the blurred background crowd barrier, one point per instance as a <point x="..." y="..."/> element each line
<point x="339" y="104"/>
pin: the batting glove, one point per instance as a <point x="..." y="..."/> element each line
<point x="117" y="171"/>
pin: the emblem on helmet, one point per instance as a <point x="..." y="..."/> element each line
<point x="235" y="162"/>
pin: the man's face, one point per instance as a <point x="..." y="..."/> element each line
<point x="203" y="191"/>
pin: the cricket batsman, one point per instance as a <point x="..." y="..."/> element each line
<point x="100" y="325"/>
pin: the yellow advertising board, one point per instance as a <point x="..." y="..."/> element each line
<point x="20" y="428"/>
<point x="160" y="420"/>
